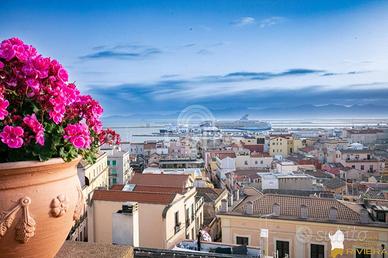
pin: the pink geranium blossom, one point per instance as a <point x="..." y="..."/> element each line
<point x="12" y="136"/>
<point x="79" y="135"/>
<point x="32" y="122"/>
<point x="39" y="86"/>
<point x="3" y="107"/>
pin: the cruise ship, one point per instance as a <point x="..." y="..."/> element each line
<point x="244" y="124"/>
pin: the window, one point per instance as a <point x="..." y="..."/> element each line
<point x="177" y="226"/>
<point x="380" y="216"/>
<point x="176" y="218"/>
<point x="108" y="162"/>
<point x="363" y="253"/>
<point x="282" y="249"/>
<point x="242" y="240"/>
<point x="362" y="167"/>
<point x="114" y="172"/>
<point x="187" y="217"/>
<point x="114" y="181"/>
<point x="246" y="162"/>
<point x="317" y="251"/>
<point x="113" y="162"/>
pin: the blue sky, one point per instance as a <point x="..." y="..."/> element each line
<point x="158" y="57"/>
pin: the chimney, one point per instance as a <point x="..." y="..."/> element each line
<point x="248" y="208"/>
<point x="304" y="212"/>
<point x="364" y="216"/>
<point x="224" y="205"/>
<point x="230" y="199"/>
<point x="333" y="213"/>
<point x="237" y="195"/>
<point x="276" y="210"/>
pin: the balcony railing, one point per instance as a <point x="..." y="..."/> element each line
<point x="177" y="228"/>
<point x="198" y="203"/>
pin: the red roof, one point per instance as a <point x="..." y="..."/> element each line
<point x="307" y="149"/>
<point x="162" y="180"/>
<point x="141" y="197"/>
<point x="158" y="189"/>
<point x="260" y="154"/>
<point x="117" y="187"/>
<point x="222" y="154"/>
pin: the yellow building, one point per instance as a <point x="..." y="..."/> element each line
<point x="278" y="145"/>
<point x="96" y="176"/>
<point x="92" y="177"/>
<point x="302" y="227"/>
<point x="284" y="145"/>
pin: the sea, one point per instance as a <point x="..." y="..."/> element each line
<point x="137" y="132"/>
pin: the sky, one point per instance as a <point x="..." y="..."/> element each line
<point x="155" y="58"/>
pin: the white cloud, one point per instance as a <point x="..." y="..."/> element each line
<point x="268" y="22"/>
<point x="243" y="21"/>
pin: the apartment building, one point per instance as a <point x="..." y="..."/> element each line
<point x="361" y="159"/>
<point x="119" y="165"/>
<point x="364" y="136"/>
<point x="286" y="181"/>
<point x="284" y="144"/>
<point x="294" y="226"/>
<point x="224" y="166"/>
<point x="250" y="160"/>
<point x="212" y="203"/>
<point x="286" y="166"/>
<point x="168" y="207"/>
<point x="92" y="177"/>
<point x="181" y="163"/>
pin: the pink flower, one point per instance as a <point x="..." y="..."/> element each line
<point x="12" y="136"/>
<point x="33" y="84"/>
<point x="62" y="74"/>
<point x="1" y="65"/>
<point x="41" y="66"/>
<point x="6" y="50"/>
<point x="3" y="107"/>
<point x="32" y="122"/>
<point x="79" y="135"/>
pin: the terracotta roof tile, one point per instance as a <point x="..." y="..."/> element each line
<point x="260" y="154"/>
<point x="222" y="154"/>
<point x="164" y="180"/>
<point x="117" y="187"/>
<point x="141" y="197"/>
<point x="318" y="208"/>
<point x="158" y="189"/>
<point x="209" y="194"/>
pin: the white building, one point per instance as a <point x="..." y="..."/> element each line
<point x="224" y="166"/>
<point x="119" y="165"/>
<point x="286" y="167"/>
<point x="287" y="181"/>
<point x="253" y="160"/>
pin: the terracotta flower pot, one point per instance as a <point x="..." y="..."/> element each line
<point x="38" y="203"/>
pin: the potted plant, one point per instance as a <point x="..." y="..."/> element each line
<point x="46" y="126"/>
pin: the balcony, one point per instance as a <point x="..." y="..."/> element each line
<point x="198" y="203"/>
<point x="177" y="228"/>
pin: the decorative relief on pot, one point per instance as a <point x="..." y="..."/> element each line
<point x="80" y="204"/>
<point x="25" y="228"/>
<point x="59" y="206"/>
